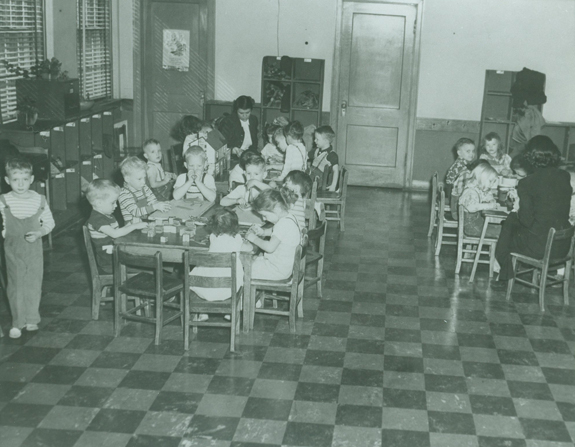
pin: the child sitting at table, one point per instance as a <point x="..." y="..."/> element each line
<point x="270" y="152"/>
<point x="459" y="171"/>
<point x="276" y="263"/>
<point x="103" y="226"/>
<point x="160" y="181"/>
<point x="478" y="196"/>
<point x="290" y="141"/>
<point x="325" y="162"/>
<point x="196" y="183"/>
<point x="136" y="199"/>
<point x="297" y="185"/>
<point x="237" y="174"/>
<point x="223" y="227"/>
<point x="197" y="136"/>
<point x="243" y="195"/>
<point x="493" y="151"/>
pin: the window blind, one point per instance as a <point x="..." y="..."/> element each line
<point x="94" y="58"/>
<point x="21" y="43"/>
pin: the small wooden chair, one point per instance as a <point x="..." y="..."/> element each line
<point x="464" y="242"/>
<point x="152" y="286"/>
<point x="101" y="282"/>
<point x="193" y="304"/>
<point x="335" y="201"/>
<point x="434" y="208"/>
<point x="315" y="255"/>
<point x="443" y="222"/>
<point x="175" y="160"/>
<point x="293" y="287"/>
<point x="543" y="265"/>
<point x="310" y="214"/>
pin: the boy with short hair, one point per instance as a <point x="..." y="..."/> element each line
<point x="26" y="218"/>
<point x="459" y="172"/>
<point x="103" y="226"/>
<point x="296" y="154"/>
<point x="298" y="185"/>
<point x="160" y="181"/>
<point x="242" y="195"/>
<point x="136" y="199"/>
<point x="325" y="162"/>
<point x="196" y="183"/>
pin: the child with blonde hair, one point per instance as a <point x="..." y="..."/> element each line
<point x="325" y="162"/>
<point x="160" y="181"/>
<point x="136" y="199"/>
<point x="197" y="183"/>
<point x="289" y="140"/>
<point x="493" y="151"/>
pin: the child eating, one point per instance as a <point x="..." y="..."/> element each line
<point x="26" y="218"/>
<point x="136" y="199"/>
<point x="277" y="260"/>
<point x="290" y="142"/>
<point x="160" y="182"/>
<point x="243" y="195"/>
<point x="493" y="151"/>
<point x="325" y="162"/>
<point x="196" y="183"/>
<point x="103" y="226"/>
<point x="223" y="227"/>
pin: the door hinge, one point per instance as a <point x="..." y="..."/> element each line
<point x="414" y="25"/>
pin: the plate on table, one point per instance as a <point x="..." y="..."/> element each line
<point x="200" y="220"/>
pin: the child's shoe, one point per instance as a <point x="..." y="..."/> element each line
<point x="31" y="327"/>
<point x="15" y="333"/>
<point x="200" y="317"/>
<point x="228" y="317"/>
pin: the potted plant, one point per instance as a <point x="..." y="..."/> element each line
<point x="27" y="111"/>
<point x="55" y="66"/>
<point x="42" y="69"/>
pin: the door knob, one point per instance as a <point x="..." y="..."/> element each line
<point x="343" y="107"/>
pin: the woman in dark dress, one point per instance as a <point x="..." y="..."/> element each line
<point x="241" y="127"/>
<point x="544" y="201"/>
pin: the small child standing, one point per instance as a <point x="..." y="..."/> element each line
<point x="161" y="182"/>
<point x="325" y="162"/>
<point x="459" y="171"/>
<point x="297" y="185"/>
<point x="196" y="183"/>
<point x="103" y="226"/>
<point x="243" y="195"/>
<point x="223" y="227"/>
<point x="136" y="199"/>
<point x="290" y="142"/>
<point x="277" y="261"/>
<point x="26" y="218"/>
<point x="493" y="151"/>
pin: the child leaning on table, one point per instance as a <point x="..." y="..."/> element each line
<point x="160" y="181"/>
<point x="26" y="218"/>
<point x="136" y="199"/>
<point x="196" y="183"/>
<point x="243" y="195"/>
<point x="102" y="225"/>
<point x="278" y="252"/>
<point x="223" y="227"/>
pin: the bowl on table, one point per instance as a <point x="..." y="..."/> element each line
<point x="507" y="182"/>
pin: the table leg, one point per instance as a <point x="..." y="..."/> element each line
<point x="479" y="247"/>
<point x="247" y="303"/>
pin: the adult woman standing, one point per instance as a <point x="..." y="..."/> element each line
<point x="544" y="201"/>
<point x="241" y="127"/>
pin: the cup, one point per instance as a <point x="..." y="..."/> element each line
<point x="159" y="229"/>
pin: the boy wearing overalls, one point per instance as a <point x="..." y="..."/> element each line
<point x="26" y="217"/>
<point x="136" y="199"/>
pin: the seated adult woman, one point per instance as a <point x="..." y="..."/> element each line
<point x="241" y="127"/>
<point x="544" y="200"/>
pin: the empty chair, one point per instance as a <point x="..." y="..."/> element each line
<point x="315" y="256"/>
<point x="443" y="222"/>
<point x="335" y="201"/>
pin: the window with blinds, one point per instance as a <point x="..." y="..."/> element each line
<point x="94" y="41"/>
<point x="21" y="44"/>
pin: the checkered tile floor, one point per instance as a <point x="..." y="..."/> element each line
<point x="398" y="353"/>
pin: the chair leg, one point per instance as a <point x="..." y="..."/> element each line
<point x="439" y="240"/>
<point x="342" y="216"/>
<point x="159" y="319"/>
<point x="431" y="220"/>
<point x="300" y="291"/>
<point x="233" y="317"/>
<point x="118" y="298"/>
<point x="96" y="297"/>
<point x="459" y="257"/>
<point x="292" y="311"/>
<point x="566" y="278"/>
<point x="511" y="281"/>
<point x="319" y="275"/>
<point x="491" y="259"/>
<point x="186" y="325"/>
<point x="542" y="286"/>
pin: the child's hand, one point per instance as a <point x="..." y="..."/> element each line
<point x="250" y="236"/>
<point x="192" y="177"/>
<point x="172" y="175"/>
<point x="242" y="203"/>
<point x="162" y="206"/>
<point x="257" y="230"/>
<point x="140" y="225"/>
<point x="331" y="188"/>
<point x="32" y="236"/>
<point x="273" y="185"/>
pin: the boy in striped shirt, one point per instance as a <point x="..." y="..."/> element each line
<point x="136" y="199"/>
<point x="103" y="226"/>
<point x="26" y="218"/>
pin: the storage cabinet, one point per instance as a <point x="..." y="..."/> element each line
<point x="67" y="154"/>
<point x="292" y="87"/>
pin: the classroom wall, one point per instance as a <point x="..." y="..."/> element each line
<point x="246" y="31"/>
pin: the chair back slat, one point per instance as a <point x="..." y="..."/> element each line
<point x="90" y="250"/>
<point x="137" y="260"/>
<point x="211" y="260"/>
<point x="207" y="259"/>
<point x="343" y="185"/>
<point x="210" y="282"/>
<point x="564" y="234"/>
<point x="310" y="205"/>
<point x="318" y="232"/>
<point x="434" y="185"/>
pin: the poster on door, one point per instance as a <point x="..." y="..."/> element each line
<point x="176" y="54"/>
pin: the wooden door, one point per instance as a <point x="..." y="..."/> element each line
<point x="169" y="93"/>
<point x="376" y="104"/>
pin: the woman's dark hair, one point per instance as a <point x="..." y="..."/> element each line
<point x="541" y="152"/>
<point x="223" y="221"/>
<point x="189" y="124"/>
<point x="244" y="102"/>
<point x="268" y="200"/>
<point x="520" y="162"/>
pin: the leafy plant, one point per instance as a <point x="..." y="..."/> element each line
<point x="55" y="66"/>
<point x="17" y="70"/>
<point x="27" y="105"/>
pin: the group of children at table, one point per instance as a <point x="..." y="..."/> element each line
<point x="148" y="187"/>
